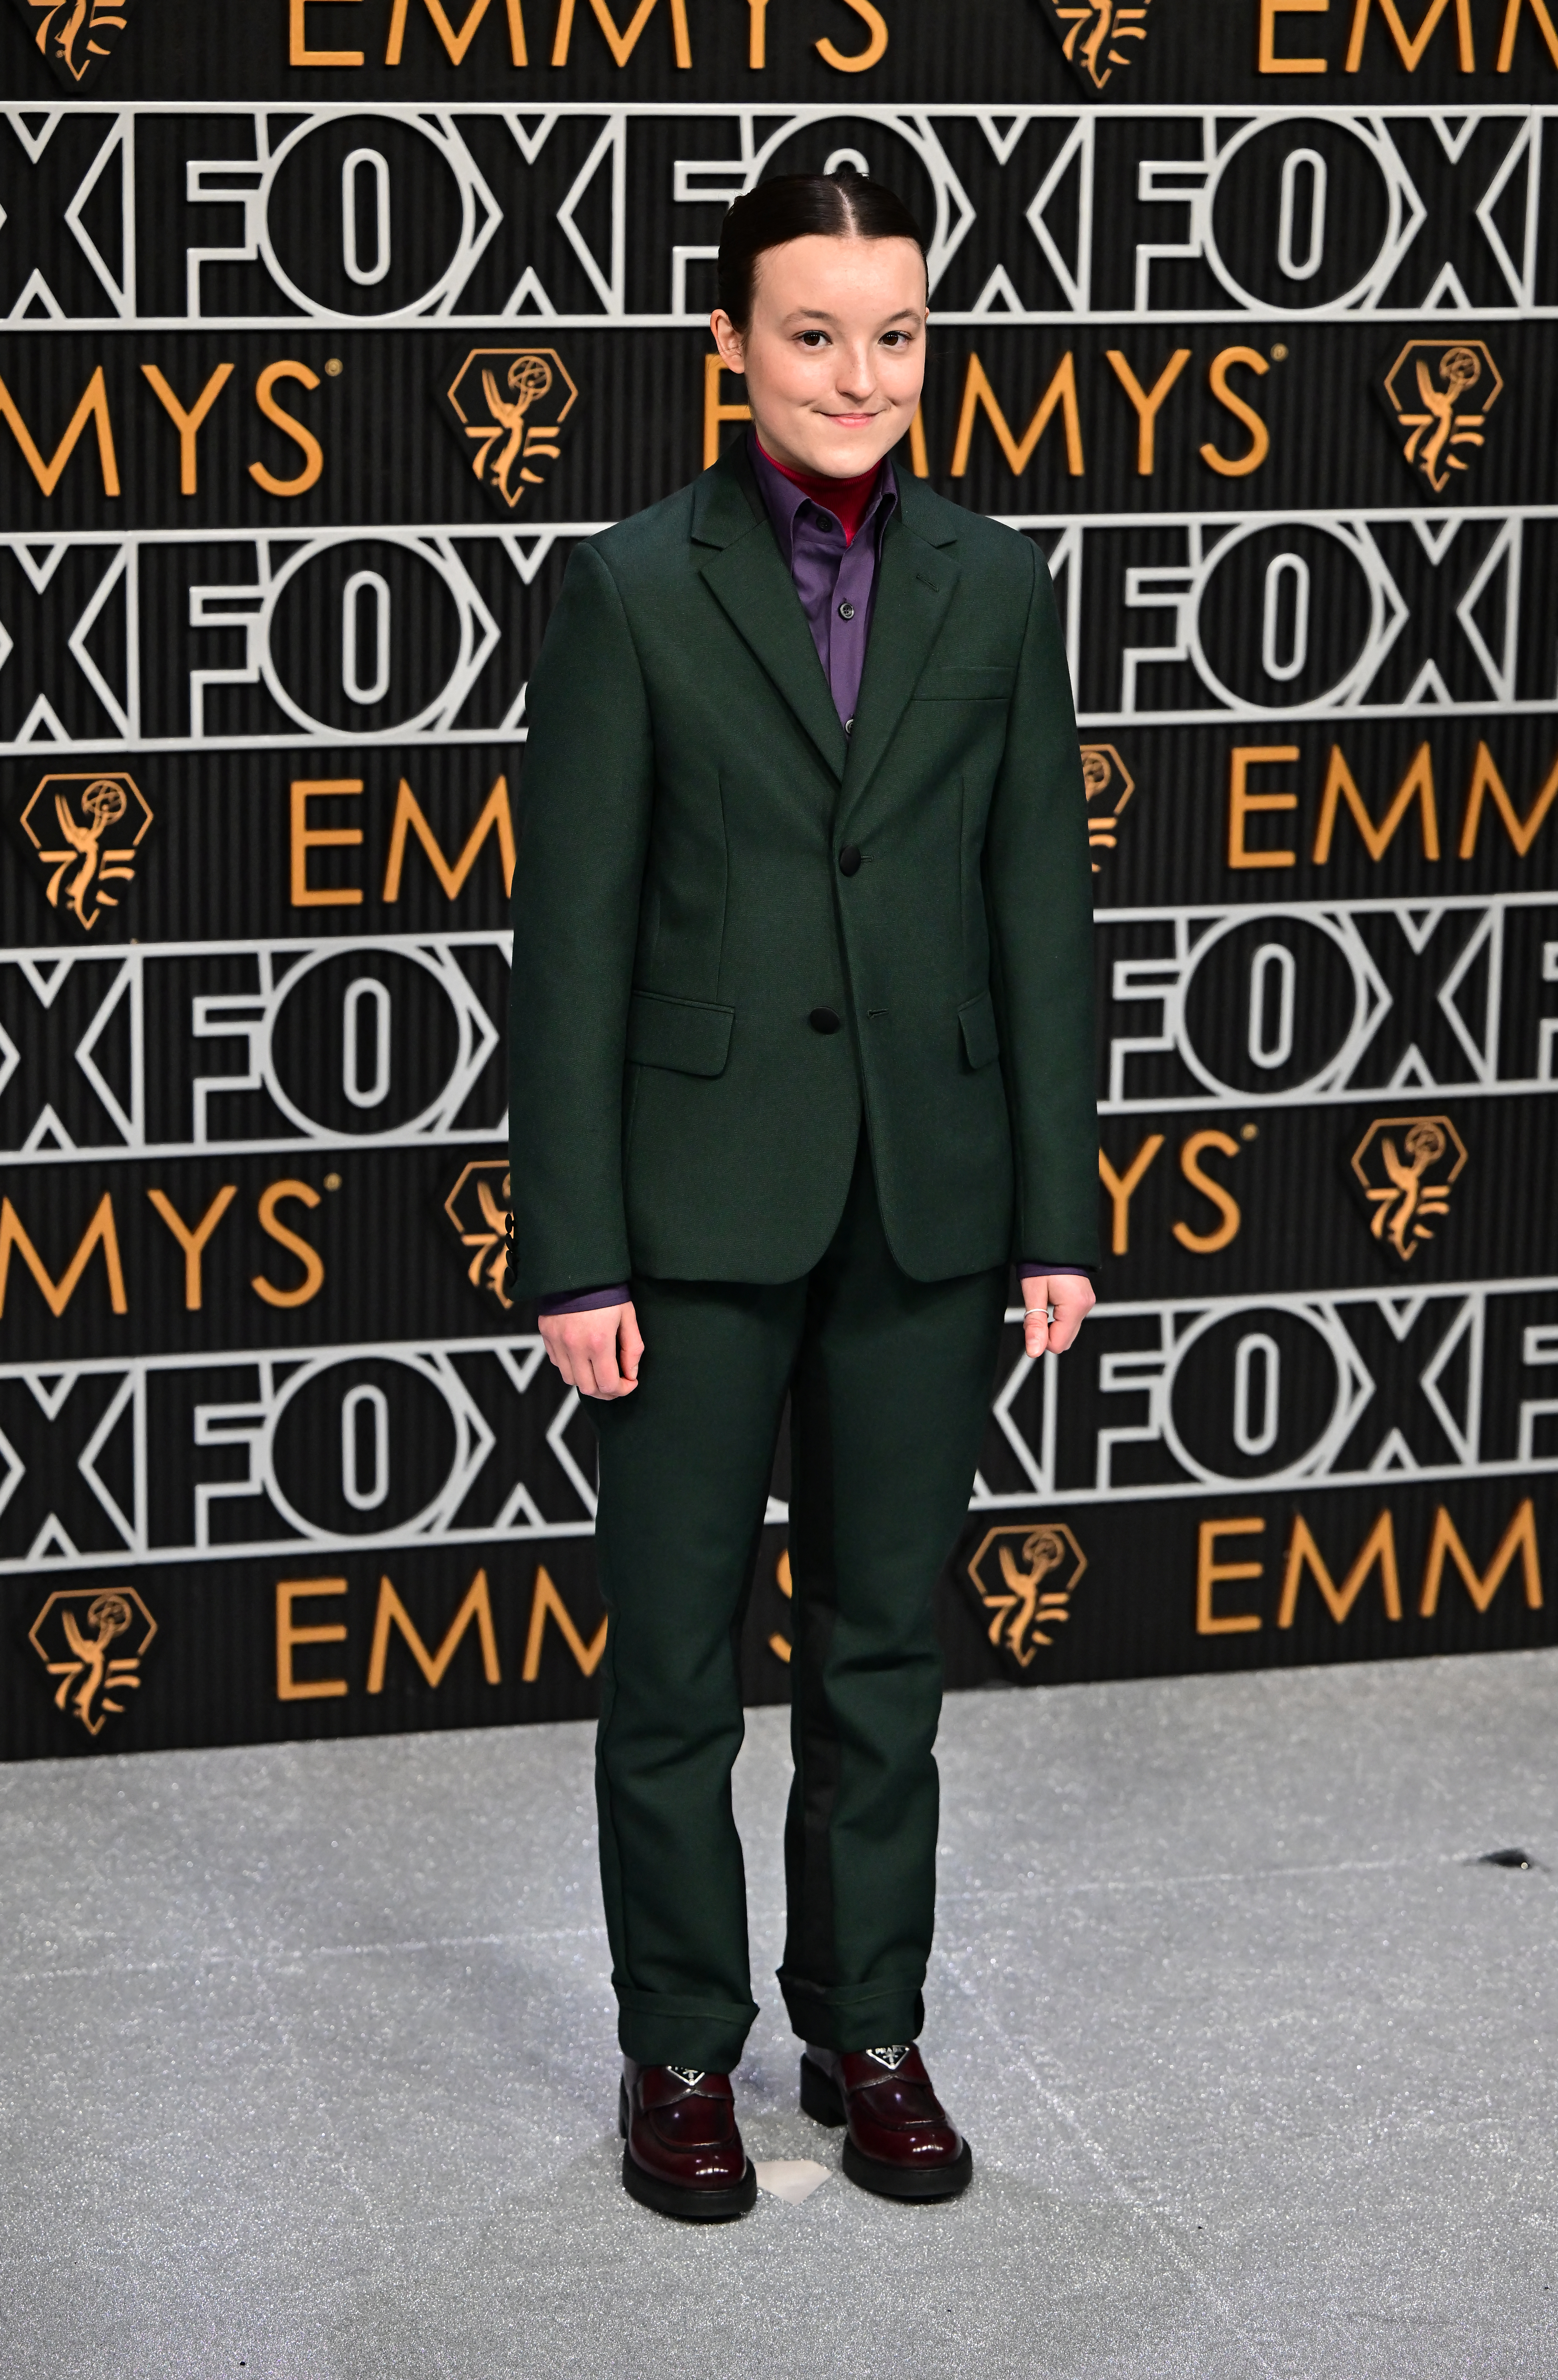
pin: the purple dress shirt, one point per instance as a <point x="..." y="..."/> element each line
<point x="835" y="579"/>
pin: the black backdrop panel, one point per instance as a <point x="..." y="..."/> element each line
<point x="305" y="53"/>
<point x="640" y="406"/>
<point x="1247" y="315"/>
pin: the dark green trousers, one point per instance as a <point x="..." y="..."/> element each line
<point x="889" y="1381"/>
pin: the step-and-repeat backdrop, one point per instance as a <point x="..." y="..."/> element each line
<point x="327" y="328"/>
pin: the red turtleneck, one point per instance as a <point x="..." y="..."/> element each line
<point x="845" y="499"/>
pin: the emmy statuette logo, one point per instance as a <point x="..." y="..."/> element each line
<point x="1441" y="392"/>
<point x="86" y="831"/>
<point x="1100" y="37"/>
<point x="76" y="36"/>
<point x="1405" y="1165"/>
<point x="478" y="1207"/>
<point x="1109" y="785"/>
<point x="93" y="1640"/>
<point x="507" y="407"/>
<point x="1023" y="1576"/>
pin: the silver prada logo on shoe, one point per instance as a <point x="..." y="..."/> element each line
<point x="891" y="2056"/>
<point x="688" y="2074"/>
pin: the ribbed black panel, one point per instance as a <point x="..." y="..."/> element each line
<point x="277" y="1459"/>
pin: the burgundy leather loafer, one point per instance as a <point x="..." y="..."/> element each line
<point x="899" y="2143"/>
<point x="683" y="2154"/>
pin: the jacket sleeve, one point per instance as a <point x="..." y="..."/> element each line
<point x="588" y="789"/>
<point x="1039" y="899"/>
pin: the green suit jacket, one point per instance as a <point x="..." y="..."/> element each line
<point x="679" y="910"/>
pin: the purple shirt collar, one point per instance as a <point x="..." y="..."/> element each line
<point x="783" y="500"/>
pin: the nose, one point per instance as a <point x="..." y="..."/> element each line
<point x="857" y="376"/>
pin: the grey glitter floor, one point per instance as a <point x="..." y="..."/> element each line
<point x="307" y="2059"/>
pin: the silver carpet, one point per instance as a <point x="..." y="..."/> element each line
<point x="307" y="2059"/>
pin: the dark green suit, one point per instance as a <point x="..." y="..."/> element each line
<point x="826" y="1214"/>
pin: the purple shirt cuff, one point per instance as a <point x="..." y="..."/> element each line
<point x="1041" y="1271"/>
<point x="585" y="1301"/>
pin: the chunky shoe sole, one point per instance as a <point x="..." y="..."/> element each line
<point x="821" y="2099"/>
<point x="669" y="2198"/>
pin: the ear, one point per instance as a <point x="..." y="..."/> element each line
<point x="732" y="346"/>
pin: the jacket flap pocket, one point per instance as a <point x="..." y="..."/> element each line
<point x="689" y="1036"/>
<point x="979" y="1037"/>
<point x="971" y="682"/>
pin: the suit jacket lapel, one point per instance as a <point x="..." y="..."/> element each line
<point x="748" y="578"/>
<point x="914" y="583"/>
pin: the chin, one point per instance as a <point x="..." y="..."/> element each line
<point x="843" y="453"/>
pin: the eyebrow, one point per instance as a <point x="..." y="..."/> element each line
<point x="817" y="314"/>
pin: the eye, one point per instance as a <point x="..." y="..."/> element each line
<point x="814" y="340"/>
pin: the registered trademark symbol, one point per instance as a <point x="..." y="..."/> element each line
<point x="332" y="1181"/>
<point x="1279" y="355"/>
<point x="1249" y="1131"/>
<point x="335" y="366"/>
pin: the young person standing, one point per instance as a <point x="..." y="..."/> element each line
<point x="802" y="1063"/>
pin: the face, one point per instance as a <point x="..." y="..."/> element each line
<point x="834" y="354"/>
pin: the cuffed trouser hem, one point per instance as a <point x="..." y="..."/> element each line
<point x="860" y="2016"/>
<point x="658" y="2029"/>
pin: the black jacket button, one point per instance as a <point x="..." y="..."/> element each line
<point x="847" y="611"/>
<point x="850" y="859"/>
<point x="823" y="1020"/>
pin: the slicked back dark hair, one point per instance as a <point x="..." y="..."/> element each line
<point x="846" y="205"/>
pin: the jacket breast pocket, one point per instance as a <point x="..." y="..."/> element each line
<point x="966" y="681"/>
<point x="690" y="1036"/>
<point x="980" y="1040"/>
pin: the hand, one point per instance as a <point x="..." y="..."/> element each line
<point x="1071" y="1293"/>
<point x="597" y="1353"/>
